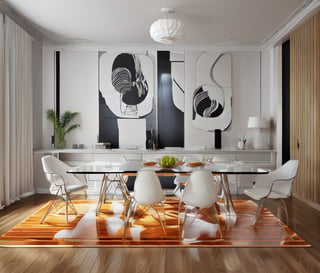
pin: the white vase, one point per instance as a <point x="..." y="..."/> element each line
<point x="241" y="144"/>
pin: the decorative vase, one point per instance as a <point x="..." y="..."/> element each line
<point x="60" y="142"/>
<point x="241" y="144"/>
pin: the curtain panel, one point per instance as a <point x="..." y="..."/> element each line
<point x="16" y="146"/>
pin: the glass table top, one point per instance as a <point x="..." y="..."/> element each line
<point x="105" y="167"/>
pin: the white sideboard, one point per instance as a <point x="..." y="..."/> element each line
<point x="261" y="158"/>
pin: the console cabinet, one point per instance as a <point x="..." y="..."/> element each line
<point x="74" y="157"/>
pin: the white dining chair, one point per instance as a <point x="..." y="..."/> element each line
<point x="147" y="194"/>
<point x="180" y="180"/>
<point x="276" y="185"/>
<point x="62" y="184"/>
<point x="199" y="193"/>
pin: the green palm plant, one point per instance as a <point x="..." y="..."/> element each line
<point x="61" y="126"/>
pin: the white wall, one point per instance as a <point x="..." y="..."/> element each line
<point x="79" y="93"/>
<point x="48" y="95"/>
<point x="79" y="85"/>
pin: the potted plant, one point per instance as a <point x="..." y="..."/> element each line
<point x="61" y="126"/>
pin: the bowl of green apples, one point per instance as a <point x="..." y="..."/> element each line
<point x="167" y="161"/>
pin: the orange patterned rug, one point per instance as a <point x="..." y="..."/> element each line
<point x="200" y="229"/>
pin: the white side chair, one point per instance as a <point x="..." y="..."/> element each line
<point x="275" y="185"/>
<point x="62" y="184"/>
<point x="147" y="193"/>
<point x="199" y="192"/>
<point x="180" y="181"/>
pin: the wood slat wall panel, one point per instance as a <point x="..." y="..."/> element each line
<point x="305" y="107"/>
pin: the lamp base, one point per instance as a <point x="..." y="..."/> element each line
<point x="259" y="141"/>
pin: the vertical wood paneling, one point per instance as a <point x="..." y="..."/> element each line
<point x="305" y="107"/>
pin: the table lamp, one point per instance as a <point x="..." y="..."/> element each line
<point x="258" y="123"/>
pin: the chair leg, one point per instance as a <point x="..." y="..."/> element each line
<point x="284" y="205"/>
<point x="179" y="208"/>
<point x="184" y="220"/>
<point x="215" y="215"/>
<point x="260" y="208"/>
<point x="48" y="211"/>
<point x="176" y="189"/>
<point x="128" y="209"/>
<point x="52" y="205"/>
<point x="164" y="216"/>
<point x="163" y="224"/>
<point x="183" y="223"/>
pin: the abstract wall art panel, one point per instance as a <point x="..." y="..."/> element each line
<point x="213" y="94"/>
<point x="126" y="91"/>
<point x="126" y="82"/>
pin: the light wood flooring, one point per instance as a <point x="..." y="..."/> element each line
<point x="303" y="219"/>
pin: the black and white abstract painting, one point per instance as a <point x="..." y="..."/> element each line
<point x="126" y="82"/>
<point x="213" y="94"/>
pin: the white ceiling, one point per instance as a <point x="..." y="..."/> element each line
<point x="207" y="22"/>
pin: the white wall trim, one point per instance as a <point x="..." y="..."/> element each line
<point x="152" y="47"/>
<point x="306" y="9"/>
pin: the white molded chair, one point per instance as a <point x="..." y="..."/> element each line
<point x="200" y="192"/>
<point x="275" y="185"/>
<point x="180" y="181"/>
<point x="62" y="184"/>
<point x="147" y="193"/>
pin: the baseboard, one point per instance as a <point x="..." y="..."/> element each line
<point x="308" y="202"/>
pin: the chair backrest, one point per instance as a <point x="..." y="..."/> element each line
<point x="284" y="175"/>
<point x="147" y="188"/>
<point x="220" y="158"/>
<point x="56" y="173"/>
<point x="200" y="190"/>
<point x="190" y="158"/>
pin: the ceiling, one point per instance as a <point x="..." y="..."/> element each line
<point x="127" y="22"/>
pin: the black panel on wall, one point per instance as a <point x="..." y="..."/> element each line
<point x="286" y="101"/>
<point x="170" y="118"/>
<point x="57" y="83"/>
<point x="108" y="127"/>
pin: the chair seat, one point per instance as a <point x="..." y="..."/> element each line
<point x="73" y="188"/>
<point x="260" y="193"/>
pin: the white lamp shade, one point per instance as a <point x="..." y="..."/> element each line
<point x="257" y="122"/>
<point x="166" y="31"/>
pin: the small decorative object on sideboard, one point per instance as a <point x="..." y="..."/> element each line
<point x="241" y="143"/>
<point x="61" y="126"/>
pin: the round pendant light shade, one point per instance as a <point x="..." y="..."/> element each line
<point x="166" y="31"/>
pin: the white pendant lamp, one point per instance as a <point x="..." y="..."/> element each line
<point x="167" y="30"/>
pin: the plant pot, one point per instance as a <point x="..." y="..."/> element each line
<point x="60" y="142"/>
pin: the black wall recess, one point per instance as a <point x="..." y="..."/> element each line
<point x="217" y="139"/>
<point x="57" y="83"/>
<point x="170" y="118"/>
<point x="286" y="101"/>
<point x="108" y="126"/>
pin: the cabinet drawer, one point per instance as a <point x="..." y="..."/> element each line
<point x="263" y="157"/>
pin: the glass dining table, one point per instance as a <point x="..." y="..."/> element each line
<point x="130" y="168"/>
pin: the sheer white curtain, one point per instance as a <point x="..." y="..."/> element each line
<point x="16" y="113"/>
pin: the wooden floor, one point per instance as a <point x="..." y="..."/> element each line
<point x="303" y="219"/>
